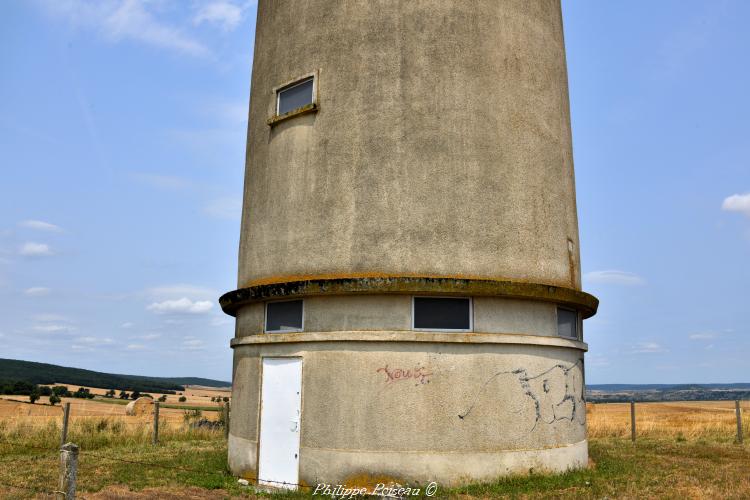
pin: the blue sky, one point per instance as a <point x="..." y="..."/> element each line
<point x="123" y="128"/>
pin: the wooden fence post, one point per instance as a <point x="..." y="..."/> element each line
<point x="66" y="416"/>
<point x="632" y="421"/>
<point x="68" y="471"/>
<point x="226" y="420"/>
<point x="738" y="412"/>
<point x="156" y="423"/>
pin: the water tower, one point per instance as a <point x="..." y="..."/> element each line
<point x="409" y="300"/>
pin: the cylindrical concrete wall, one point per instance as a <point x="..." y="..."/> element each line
<point x="441" y="144"/>
<point x="433" y="407"/>
<point x="436" y="160"/>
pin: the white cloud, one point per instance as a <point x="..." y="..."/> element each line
<point x="119" y="20"/>
<point x="181" y="306"/>
<point x="703" y="336"/>
<point x="614" y="277"/>
<point x="37" y="291"/>
<point x="53" y="323"/>
<point x="225" y="208"/>
<point x="193" y="345"/>
<point x="737" y="203"/>
<point x="148" y="336"/>
<point x="54" y="328"/>
<point x="164" y="292"/>
<point x="647" y="348"/>
<point x="52" y="317"/>
<point x="135" y="347"/>
<point x="32" y="249"/>
<point x="225" y="14"/>
<point x="94" y="340"/>
<point x="171" y="182"/>
<point x="40" y="225"/>
<point x="127" y="324"/>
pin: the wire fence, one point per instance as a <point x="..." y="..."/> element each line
<point x="43" y="453"/>
<point x="51" y="452"/>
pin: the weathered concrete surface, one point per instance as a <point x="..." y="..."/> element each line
<point x="243" y="456"/>
<point x="452" y="468"/>
<point x="441" y="146"/>
<point x="398" y="405"/>
<point x="438" y="161"/>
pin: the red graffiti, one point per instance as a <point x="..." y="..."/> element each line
<point x="420" y="374"/>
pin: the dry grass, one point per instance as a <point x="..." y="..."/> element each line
<point x="91" y="432"/>
<point x="693" y="420"/>
<point x="684" y="450"/>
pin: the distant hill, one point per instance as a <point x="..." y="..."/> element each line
<point x="613" y="393"/>
<point x="662" y="387"/>
<point x="205" y="382"/>
<point x="43" y="373"/>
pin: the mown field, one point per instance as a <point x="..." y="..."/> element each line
<point x="171" y="409"/>
<point x="684" y="450"/>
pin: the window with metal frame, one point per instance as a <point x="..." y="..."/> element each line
<point x="446" y="314"/>
<point x="567" y="323"/>
<point x="284" y="316"/>
<point x="295" y="96"/>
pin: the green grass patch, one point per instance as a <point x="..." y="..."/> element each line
<point x="663" y="468"/>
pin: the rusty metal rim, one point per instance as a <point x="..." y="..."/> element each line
<point x="585" y="303"/>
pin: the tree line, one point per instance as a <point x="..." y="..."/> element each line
<point x="57" y="392"/>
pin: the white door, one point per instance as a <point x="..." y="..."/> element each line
<point x="279" y="422"/>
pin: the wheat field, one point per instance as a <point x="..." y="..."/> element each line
<point x="714" y="420"/>
<point x="684" y="450"/>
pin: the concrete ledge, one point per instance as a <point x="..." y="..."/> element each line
<point x="295" y="287"/>
<point x="308" y="108"/>
<point x="447" y="468"/>
<point x="408" y="336"/>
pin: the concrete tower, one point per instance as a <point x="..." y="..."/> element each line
<point x="409" y="299"/>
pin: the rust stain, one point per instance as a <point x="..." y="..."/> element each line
<point x="572" y="263"/>
<point x="304" y="485"/>
<point x="250" y="476"/>
<point x="286" y="278"/>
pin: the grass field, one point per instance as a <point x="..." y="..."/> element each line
<point x="684" y="450"/>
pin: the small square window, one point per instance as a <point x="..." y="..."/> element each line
<point x="285" y="316"/>
<point x="295" y="96"/>
<point x="442" y="314"/>
<point x="567" y="323"/>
